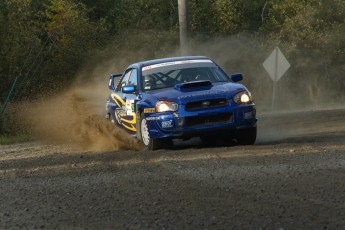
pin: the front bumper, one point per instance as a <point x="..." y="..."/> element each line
<point x="196" y="123"/>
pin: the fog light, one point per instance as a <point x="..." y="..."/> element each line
<point x="248" y="115"/>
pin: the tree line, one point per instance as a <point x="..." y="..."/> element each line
<point x="45" y="42"/>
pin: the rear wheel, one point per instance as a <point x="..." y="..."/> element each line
<point x="246" y="136"/>
<point x="143" y="135"/>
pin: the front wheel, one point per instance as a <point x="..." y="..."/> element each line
<point x="246" y="136"/>
<point x="143" y="135"/>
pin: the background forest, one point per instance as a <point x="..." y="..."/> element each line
<point x="45" y="44"/>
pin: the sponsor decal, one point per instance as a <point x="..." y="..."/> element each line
<point x="152" y="118"/>
<point x="149" y="110"/>
<point x="120" y="112"/>
<point x="147" y="67"/>
<point x="129" y="107"/>
<point x="205" y="95"/>
<point x="175" y="63"/>
<point x="167" y="124"/>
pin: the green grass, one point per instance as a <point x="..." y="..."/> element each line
<point x="7" y="139"/>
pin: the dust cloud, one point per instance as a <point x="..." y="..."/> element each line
<point x="69" y="119"/>
<point x="75" y="118"/>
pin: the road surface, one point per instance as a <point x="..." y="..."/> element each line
<point x="292" y="178"/>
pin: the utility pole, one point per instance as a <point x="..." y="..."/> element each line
<point x="183" y="23"/>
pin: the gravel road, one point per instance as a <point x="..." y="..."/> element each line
<point x="292" y="178"/>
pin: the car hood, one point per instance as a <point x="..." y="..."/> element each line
<point x="216" y="90"/>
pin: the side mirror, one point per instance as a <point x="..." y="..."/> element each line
<point x="112" y="81"/>
<point x="236" y="77"/>
<point x="128" y="89"/>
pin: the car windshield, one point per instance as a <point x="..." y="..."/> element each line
<point x="167" y="75"/>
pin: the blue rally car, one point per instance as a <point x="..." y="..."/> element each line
<point x="179" y="98"/>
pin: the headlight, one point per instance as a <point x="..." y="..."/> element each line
<point x="165" y="106"/>
<point x="243" y="98"/>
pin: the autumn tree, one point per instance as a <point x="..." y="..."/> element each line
<point x="309" y="32"/>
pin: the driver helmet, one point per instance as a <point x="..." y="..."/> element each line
<point x="149" y="82"/>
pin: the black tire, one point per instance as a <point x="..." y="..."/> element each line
<point x="246" y="136"/>
<point x="144" y="137"/>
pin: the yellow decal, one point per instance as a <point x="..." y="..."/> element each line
<point x="132" y="127"/>
<point x="118" y="99"/>
<point x="124" y="111"/>
<point x="133" y="121"/>
<point x="175" y="114"/>
<point x="149" y="110"/>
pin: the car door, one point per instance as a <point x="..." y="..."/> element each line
<point x="125" y="110"/>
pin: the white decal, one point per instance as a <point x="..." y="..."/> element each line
<point x="167" y="124"/>
<point x="175" y="63"/>
<point x="152" y="118"/>
<point x="129" y="107"/>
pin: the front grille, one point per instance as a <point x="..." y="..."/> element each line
<point x="205" y="104"/>
<point x="208" y="120"/>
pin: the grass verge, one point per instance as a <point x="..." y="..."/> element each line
<point x="7" y="139"/>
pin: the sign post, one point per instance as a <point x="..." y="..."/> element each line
<point x="276" y="65"/>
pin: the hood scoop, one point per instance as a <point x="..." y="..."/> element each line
<point x="193" y="85"/>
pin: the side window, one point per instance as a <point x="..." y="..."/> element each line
<point x="133" y="78"/>
<point x="124" y="80"/>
